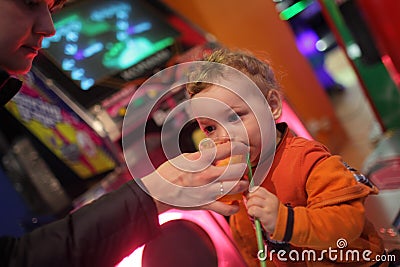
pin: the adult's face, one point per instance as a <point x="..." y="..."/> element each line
<point x="23" y="25"/>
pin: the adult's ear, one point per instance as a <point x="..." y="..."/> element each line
<point x="275" y="102"/>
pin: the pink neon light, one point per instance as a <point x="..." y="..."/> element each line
<point x="135" y="259"/>
<point x="290" y="117"/>
<point x="215" y="225"/>
<point x="387" y="61"/>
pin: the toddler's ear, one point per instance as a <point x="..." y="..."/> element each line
<point x="275" y="103"/>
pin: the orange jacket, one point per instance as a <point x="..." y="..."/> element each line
<point x="321" y="203"/>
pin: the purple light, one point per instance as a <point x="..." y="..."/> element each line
<point x="79" y="55"/>
<point x="306" y="41"/>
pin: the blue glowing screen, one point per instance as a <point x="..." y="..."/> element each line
<point x="96" y="39"/>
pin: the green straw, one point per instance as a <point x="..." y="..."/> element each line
<point x="260" y="242"/>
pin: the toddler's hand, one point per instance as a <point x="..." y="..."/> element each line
<point x="263" y="205"/>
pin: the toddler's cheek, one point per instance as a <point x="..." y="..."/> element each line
<point x="254" y="155"/>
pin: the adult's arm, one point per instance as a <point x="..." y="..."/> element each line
<point x="99" y="234"/>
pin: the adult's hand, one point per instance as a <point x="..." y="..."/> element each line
<point x="192" y="181"/>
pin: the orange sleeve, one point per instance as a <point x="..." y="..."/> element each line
<point x="334" y="208"/>
<point x="323" y="227"/>
<point x="281" y="223"/>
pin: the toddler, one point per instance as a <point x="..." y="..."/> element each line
<point x="310" y="203"/>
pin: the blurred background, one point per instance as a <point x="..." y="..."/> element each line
<point x="337" y="61"/>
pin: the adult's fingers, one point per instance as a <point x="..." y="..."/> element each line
<point x="222" y="208"/>
<point x="237" y="187"/>
<point x="231" y="148"/>
<point x="217" y="189"/>
<point x="189" y="196"/>
<point x="200" y="161"/>
<point x="211" y="151"/>
<point x="230" y="176"/>
<point x="232" y="172"/>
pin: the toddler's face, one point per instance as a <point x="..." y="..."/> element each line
<point x="221" y="112"/>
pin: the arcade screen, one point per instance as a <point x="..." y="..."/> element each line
<point x="96" y="39"/>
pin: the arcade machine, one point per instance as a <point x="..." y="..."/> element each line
<point x="313" y="38"/>
<point x="72" y="103"/>
<point x="382" y="167"/>
<point x="75" y="99"/>
<point x="354" y="27"/>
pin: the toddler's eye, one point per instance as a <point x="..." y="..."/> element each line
<point x="208" y="129"/>
<point x="233" y="117"/>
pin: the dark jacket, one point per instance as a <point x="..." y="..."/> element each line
<point x="9" y="87"/>
<point x="99" y="234"/>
